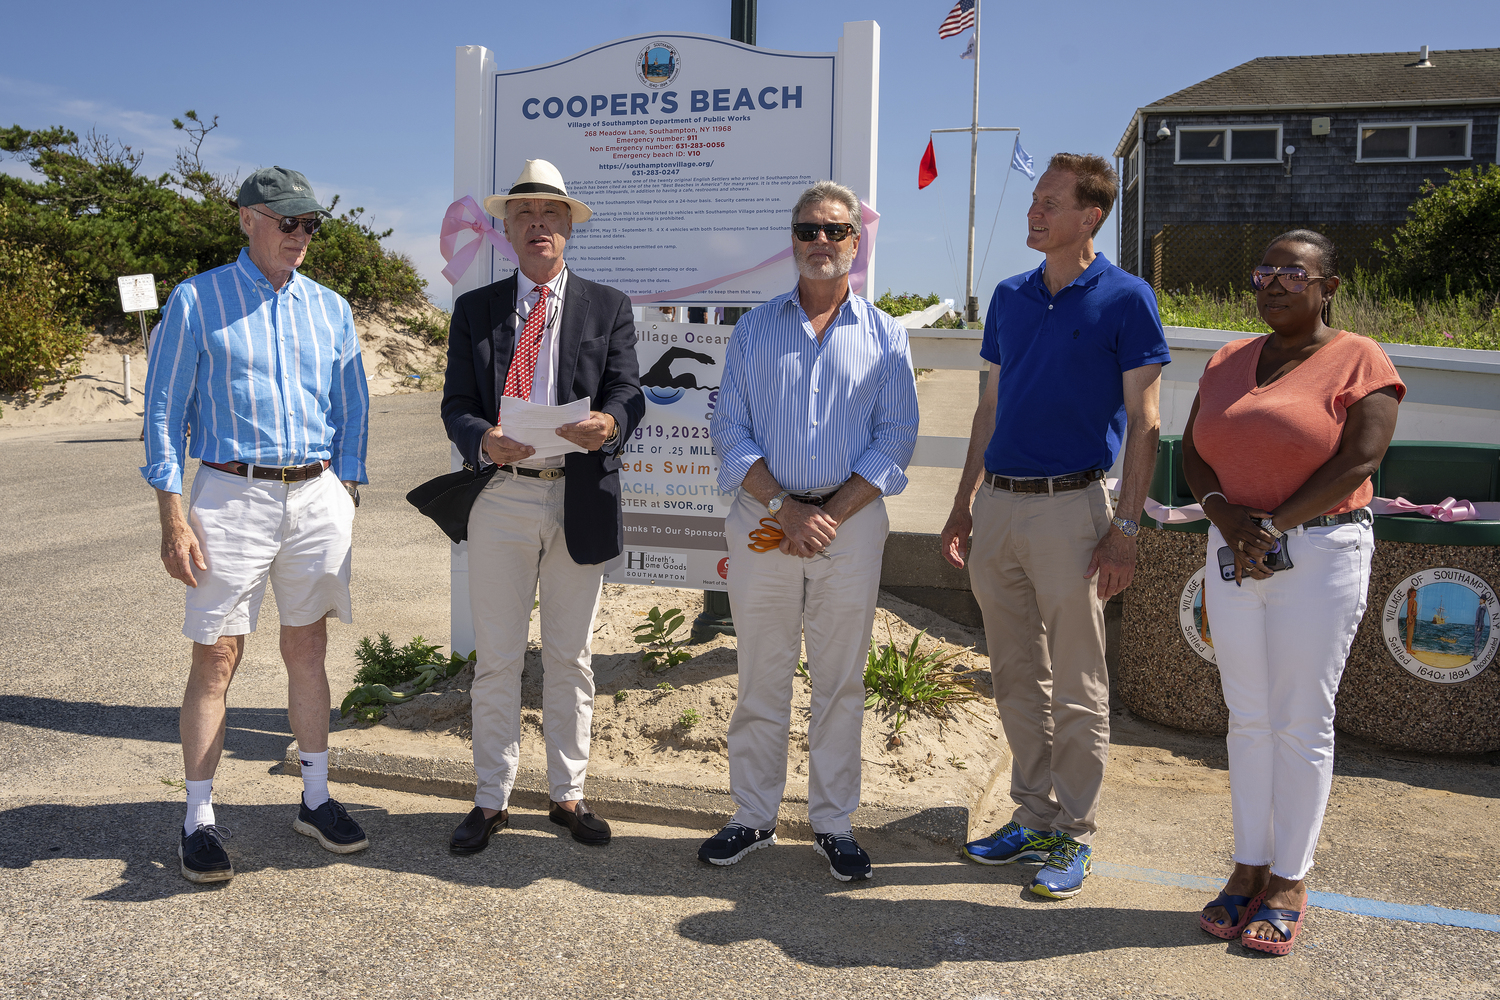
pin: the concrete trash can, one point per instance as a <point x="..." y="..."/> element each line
<point x="1417" y="675"/>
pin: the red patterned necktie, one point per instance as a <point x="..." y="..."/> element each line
<point x="523" y="365"/>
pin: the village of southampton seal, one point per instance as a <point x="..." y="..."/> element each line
<point x="1192" y="618"/>
<point x="1441" y="624"/>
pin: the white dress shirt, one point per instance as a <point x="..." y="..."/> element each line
<point x="544" y="381"/>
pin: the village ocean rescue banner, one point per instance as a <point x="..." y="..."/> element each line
<point x="691" y="150"/>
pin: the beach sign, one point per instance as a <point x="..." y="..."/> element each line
<point x="1442" y="624"/>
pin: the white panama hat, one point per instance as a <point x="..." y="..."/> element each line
<point x="539" y="179"/>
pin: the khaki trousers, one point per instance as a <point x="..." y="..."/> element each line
<point x="1045" y="629"/>
<point x="515" y="538"/>
<point x="777" y="599"/>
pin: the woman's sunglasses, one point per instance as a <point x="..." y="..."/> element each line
<point x="838" y="232"/>
<point x="1293" y="279"/>
<point x="288" y="224"/>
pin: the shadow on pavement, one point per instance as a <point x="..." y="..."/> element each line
<point x="253" y="733"/>
<point x="783" y="895"/>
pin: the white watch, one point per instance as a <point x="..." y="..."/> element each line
<point x="775" y="505"/>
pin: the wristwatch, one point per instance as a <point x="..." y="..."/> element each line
<point x="775" y="505"/>
<point x="1270" y="528"/>
<point x="614" y="434"/>
<point x="353" y="489"/>
<point x="1127" y="528"/>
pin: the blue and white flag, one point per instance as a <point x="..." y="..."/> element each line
<point x="968" y="52"/>
<point x="1021" y="160"/>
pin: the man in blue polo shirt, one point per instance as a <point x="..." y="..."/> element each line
<point x="1075" y="350"/>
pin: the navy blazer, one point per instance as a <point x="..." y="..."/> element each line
<point x="595" y="359"/>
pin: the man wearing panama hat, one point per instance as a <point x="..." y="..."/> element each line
<point x="551" y="337"/>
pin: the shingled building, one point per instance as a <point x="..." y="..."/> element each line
<point x="1337" y="143"/>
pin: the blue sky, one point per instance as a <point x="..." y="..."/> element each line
<point x="360" y="96"/>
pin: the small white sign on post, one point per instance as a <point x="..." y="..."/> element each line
<point x="138" y="292"/>
<point x="138" y="295"/>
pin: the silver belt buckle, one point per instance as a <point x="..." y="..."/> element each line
<point x="549" y="474"/>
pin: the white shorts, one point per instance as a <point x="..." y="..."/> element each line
<point x="295" y="534"/>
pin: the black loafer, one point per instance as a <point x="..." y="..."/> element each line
<point x="585" y="824"/>
<point x="473" y="834"/>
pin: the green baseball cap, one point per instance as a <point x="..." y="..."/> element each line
<point x="284" y="191"/>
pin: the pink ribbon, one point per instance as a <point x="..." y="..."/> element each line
<point x="464" y="215"/>
<point x="677" y="293"/>
<point x="1449" y="510"/>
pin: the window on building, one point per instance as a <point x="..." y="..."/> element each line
<point x="1414" y="140"/>
<point x="1132" y="165"/>
<point x="1235" y="144"/>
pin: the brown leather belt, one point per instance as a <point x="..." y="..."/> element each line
<point x="1054" y="484"/>
<point x="281" y="474"/>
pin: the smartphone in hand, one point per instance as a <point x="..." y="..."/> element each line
<point x="1226" y="563"/>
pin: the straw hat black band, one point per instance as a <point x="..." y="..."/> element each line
<point x="531" y="187"/>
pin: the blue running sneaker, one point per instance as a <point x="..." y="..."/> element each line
<point x="1066" y="868"/>
<point x="1011" y="843"/>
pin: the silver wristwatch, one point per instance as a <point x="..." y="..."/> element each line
<point x="775" y="505"/>
<point x="1127" y="527"/>
<point x="1270" y="528"/>
<point x="353" y="489"/>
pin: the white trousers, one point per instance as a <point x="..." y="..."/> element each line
<point x="1281" y="644"/>
<point x="297" y="535"/>
<point x="515" y="538"/>
<point x="777" y="599"/>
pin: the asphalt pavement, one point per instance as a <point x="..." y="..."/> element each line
<point x="91" y="905"/>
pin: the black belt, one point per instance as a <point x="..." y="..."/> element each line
<point x="548" y="474"/>
<point x="282" y="474"/>
<point x="1053" y="484"/>
<point x="810" y="498"/>
<point x="1360" y="516"/>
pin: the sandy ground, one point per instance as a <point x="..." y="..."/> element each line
<point x="395" y="361"/>
<point x="672" y="724"/>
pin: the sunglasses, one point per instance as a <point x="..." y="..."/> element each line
<point x="1293" y="279"/>
<point x="288" y="224"/>
<point x="837" y="232"/>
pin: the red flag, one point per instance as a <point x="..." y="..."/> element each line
<point x="927" y="172"/>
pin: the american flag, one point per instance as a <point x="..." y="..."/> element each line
<point x="960" y="18"/>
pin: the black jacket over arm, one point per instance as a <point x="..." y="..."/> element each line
<point x="595" y="359"/>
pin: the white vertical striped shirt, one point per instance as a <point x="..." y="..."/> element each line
<point x="817" y="413"/>
<point x="264" y="377"/>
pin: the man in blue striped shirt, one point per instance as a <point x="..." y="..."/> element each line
<point x="263" y="365"/>
<point x="814" y="424"/>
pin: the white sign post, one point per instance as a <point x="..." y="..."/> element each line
<point x="691" y="150"/>
<point x="138" y="295"/>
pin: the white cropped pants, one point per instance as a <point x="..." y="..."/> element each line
<point x="1281" y="644"/>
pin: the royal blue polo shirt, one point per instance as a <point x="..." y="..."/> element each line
<point x="1061" y="406"/>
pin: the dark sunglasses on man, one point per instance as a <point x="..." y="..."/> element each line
<point x="288" y="223"/>
<point x="1293" y="279"/>
<point x="836" y="232"/>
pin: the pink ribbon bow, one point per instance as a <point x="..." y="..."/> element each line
<point x="465" y="215"/>
<point x="1449" y="510"/>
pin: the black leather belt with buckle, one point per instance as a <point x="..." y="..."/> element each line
<point x="810" y="498"/>
<point x="281" y="474"/>
<point x="1360" y="516"/>
<point x="547" y="474"/>
<point x="1059" y="484"/>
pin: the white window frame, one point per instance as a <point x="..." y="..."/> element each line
<point x="1228" y="131"/>
<point x="1133" y="166"/>
<point x="1411" y="141"/>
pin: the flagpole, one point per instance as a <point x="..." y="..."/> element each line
<point x="971" y="301"/>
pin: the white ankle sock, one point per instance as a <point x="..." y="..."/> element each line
<point x="314" y="778"/>
<point x="200" y="807"/>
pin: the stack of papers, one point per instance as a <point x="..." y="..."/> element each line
<point x="536" y="425"/>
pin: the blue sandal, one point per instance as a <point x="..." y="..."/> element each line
<point x="1278" y="919"/>
<point x="1239" y="908"/>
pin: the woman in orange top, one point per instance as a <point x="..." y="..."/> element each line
<point x="1280" y="446"/>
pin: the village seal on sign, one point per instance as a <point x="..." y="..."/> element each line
<point x="1192" y="617"/>
<point x="1442" y="624"/>
<point x="658" y="64"/>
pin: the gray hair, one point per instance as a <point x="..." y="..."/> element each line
<point x="829" y="191"/>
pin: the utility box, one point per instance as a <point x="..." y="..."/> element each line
<point x="1321" y="126"/>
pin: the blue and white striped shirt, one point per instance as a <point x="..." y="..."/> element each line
<point x="816" y="413"/>
<point x="264" y="377"/>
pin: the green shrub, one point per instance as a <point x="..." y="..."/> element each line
<point x="1451" y="243"/>
<point x="41" y="338"/>
<point x="430" y="326"/>
<point x="906" y="302"/>
<point x="382" y="662"/>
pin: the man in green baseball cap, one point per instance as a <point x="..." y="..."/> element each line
<point x="264" y="364"/>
